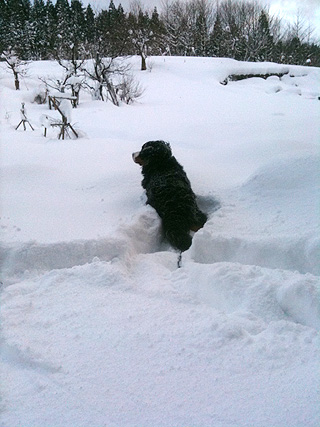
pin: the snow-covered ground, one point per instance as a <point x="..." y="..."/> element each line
<point x="98" y="326"/>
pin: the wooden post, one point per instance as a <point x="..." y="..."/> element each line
<point x="24" y="118"/>
<point x="64" y="125"/>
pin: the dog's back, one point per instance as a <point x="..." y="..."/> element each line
<point x="169" y="192"/>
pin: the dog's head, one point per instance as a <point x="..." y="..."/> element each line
<point x="152" y="151"/>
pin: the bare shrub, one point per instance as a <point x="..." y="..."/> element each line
<point x="129" y="89"/>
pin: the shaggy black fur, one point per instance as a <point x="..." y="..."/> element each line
<point x="169" y="193"/>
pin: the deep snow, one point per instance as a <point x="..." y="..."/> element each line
<point x="99" y="327"/>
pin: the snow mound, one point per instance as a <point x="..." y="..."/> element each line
<point x="286" y="175"/>
<point x="301" y="300"/>
<point x="267" y="294"/>
<point x="272" y="221"/>
<point x="66" y="109"/>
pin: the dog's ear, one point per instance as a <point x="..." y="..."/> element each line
<point x="165" y="147"/>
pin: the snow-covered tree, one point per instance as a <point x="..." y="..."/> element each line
<point x="38" y="31"/>
<point x="90" y="26"/>
<point x="140" y="33"/>
<point x="63" y="28"/>
<point x="5" y="32"/>
<point x="244" y="30"/>
<point x="217" y="45"/>
<point x="51" y="24"/>
<point x="111" y="32"/>
<point x="178" y="31"/>
<point x="74" y="78"/>
<point x="100" y="73"/>
<point x="17" y="16"/>
<point x="265" y="38"/>
<point x="77" y="26"/>
<point x="16" y="65"/>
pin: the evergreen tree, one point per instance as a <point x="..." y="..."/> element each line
<point x="294" y="51"/>
<point x="264" y="38"/>
<point x="231" y="16"/>
<point x="179" y="35"/>
<point x="41" y="29"/>
<point x="63" y="28"/>
<point x="233" y="40"/>
<point x="157" y="28"/>
<point x="112" y="34"/>
<point x="102" y="25"/>
<point x="112" y="14"/>
<point x="278" y="52"/>
<point x="77" y="28"/>
<point x="141" y="34"/>
<point x="38" y="31"/>
<point x="51" y="24"/>
<point x="118" y="33"/>
<point x="90" y="30"/>
<point x="145" y="34"/>
<point x="18" y="14"/>
<point x="201" y="27"/>
<point x="5" y="30"/>
<point x="313" y="55"/>
<point x="217" y="45"/>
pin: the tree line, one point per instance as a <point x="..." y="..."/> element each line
<point x="231" y="28"/>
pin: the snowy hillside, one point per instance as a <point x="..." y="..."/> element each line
<point x="99" y="327"/>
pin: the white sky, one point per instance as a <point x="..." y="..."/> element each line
<point x="309" y="10"/>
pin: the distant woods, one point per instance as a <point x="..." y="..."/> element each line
<point x="235" y="29"/>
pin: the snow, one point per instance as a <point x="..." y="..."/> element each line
<point x="66" y="109"/>
<point x="99" y="326"/>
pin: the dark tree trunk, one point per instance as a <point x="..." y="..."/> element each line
<point x="16" y="80"/>
<point x="143" y="62"/>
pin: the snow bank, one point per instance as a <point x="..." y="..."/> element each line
<point x="279" y="207"/>
<point x="267" y="294"/>
<point x="141" y="235"/>
<point x="285" y="252"/>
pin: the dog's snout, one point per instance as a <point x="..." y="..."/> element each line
<point x="137" y="159"/>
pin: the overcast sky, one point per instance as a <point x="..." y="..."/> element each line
<point x="309" y="10"/>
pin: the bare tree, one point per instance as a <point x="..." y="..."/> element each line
<point x="16" y="65"/>
<point x="74" y="77"/>
<point x="102" y="74"/>
<point x="300" y="29"/>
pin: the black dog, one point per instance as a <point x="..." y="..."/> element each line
<point x="169" y="193"/>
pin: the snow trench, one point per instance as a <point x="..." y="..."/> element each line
<point x="228" y="275"/>
<point x="284" y="252"/>
<point x="274" y="277"/>
<point x="22" y="259"/>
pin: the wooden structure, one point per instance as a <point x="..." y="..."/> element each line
<point x="24" y="118"/>
<point x="64" y="125"/>
<point x="56" y="99"/>
<point x="239" y="76"/>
